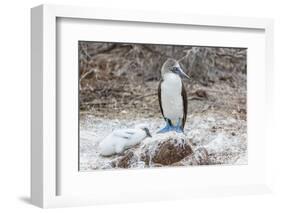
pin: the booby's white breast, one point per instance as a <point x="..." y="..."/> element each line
<point x="171" y="98"/>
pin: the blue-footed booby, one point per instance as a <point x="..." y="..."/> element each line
<point x="172" y="96"/>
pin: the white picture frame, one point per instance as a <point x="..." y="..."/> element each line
<point x="44" y="149"/>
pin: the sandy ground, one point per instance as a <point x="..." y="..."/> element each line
<point x="223" y="136"/>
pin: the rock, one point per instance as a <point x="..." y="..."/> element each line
<point x="199" y="156"/>
<point x="170" y="152"/>
<point x="162" y="150"/>
<point x="125" y="161"/>
<point x="166" y="149"/>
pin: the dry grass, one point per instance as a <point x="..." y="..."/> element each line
<point x="121" y="80"/>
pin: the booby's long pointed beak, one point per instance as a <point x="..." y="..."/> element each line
<point x="182" y="73"/>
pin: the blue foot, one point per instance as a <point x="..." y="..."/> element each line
<point x="167" y="128"/>
<point x="179" y="129"/>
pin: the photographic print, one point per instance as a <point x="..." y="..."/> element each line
<point x="156" y="105"/>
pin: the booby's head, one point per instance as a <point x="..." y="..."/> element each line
<point x="146" y="132"/>
<point x="144" y="127"/>
<point x="172" y="66"/>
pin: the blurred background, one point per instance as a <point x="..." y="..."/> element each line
<point x="121" y="80"/>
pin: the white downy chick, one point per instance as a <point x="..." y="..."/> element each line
<point x="120" y="140"/>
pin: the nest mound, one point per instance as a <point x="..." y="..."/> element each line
<point x="162" y="150"/>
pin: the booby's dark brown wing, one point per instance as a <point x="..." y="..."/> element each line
<point x="184" y="100"/>
<point x="159" y="97"/>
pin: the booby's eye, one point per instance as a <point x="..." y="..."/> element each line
<point x="174" y="69"/>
